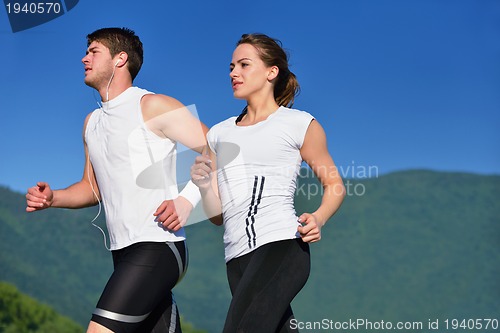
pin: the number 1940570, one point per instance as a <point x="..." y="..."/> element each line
<point x="471" y="324"/>
<point x="34" y="8"/>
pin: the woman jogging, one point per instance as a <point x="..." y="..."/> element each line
<point x="257" y="157"/>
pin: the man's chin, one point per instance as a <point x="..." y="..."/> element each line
<point x="89" y="83"/>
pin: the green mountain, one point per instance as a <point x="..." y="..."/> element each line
<point x="22" y="314"/>
<point x="414" y="246"/>
<point x="55" y="256"/>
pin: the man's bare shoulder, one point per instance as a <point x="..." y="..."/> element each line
<point x="153" y="105"/>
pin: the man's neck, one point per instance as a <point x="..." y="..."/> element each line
<point x="113" y="91"/>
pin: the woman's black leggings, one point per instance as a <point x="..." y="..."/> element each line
<point x="264" y="283"/>
<point x="138" y="297"/>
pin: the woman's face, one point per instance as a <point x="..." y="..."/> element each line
<point x="249" y="75"/>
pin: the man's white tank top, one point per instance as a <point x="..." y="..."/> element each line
<point x="257" y="169"/>
<point x="135" y="170"/>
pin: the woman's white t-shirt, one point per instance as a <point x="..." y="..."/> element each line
<point x="257" y="169"/>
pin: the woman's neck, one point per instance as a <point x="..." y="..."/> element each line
<point x="260" y="110"/>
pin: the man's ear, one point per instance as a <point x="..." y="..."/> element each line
<point x="121" y="59"/>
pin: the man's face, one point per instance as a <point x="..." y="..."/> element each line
<point x="98" y="65"/>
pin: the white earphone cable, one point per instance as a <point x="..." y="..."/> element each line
<point x="88" y="171"/>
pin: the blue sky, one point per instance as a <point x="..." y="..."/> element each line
<point x="396" y="84"/>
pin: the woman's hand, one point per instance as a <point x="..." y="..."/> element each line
<point x="201" y="172"/>
<point x="310" y="228"/>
